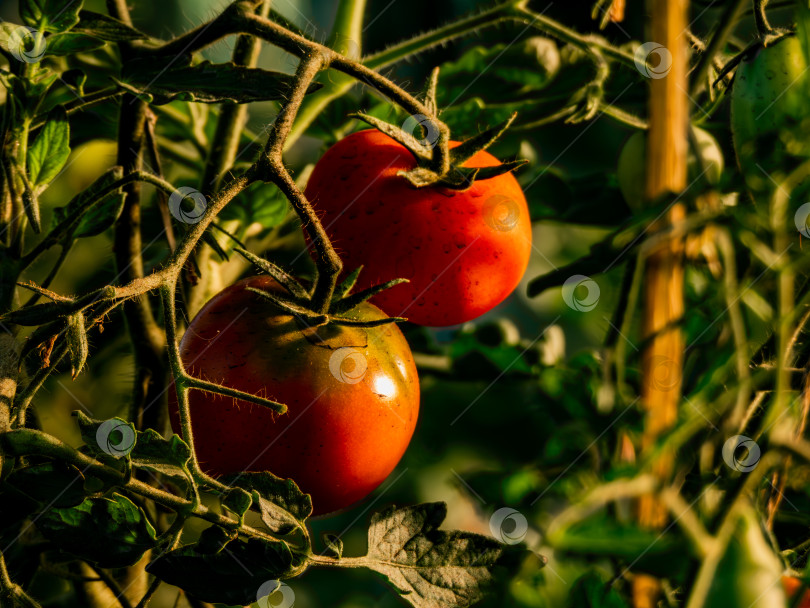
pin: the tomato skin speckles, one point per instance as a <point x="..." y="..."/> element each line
<point x="353" y="400"/>
<point x="464" y="252"/>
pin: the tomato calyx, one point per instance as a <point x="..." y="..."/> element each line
<point x="457" y="176"/>
<point x="298" y="299"/>
<point x="752" y="50"/>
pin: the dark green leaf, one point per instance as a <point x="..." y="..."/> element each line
<point x="50" y="483"/>
<point x="114" y="437"/>
<point x="648" y="549"/>
<point x="223" y="577"/>
<point x="70" y="42"/>
<point x="592" y="591"/>
<point x="528" y="65"/>
<point x="334" y="545"/>
<point x="204" y="82"/>
<point x="111" y="532"/>
<point x="213" y="540"/>
<point x="430" y="567"/>
<point x="237" y="500"/>
<point x="280" y="502"/>
<point x="106" y="28"/>
<point x="749" y="573"/>
<point x="102" y="213"/>
<point x="261" y="203"/>
<point x="50" y="15"/>
<point x="50" y="150"/>
<point x="169" y="457"/>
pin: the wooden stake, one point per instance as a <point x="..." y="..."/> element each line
<point x="662" y="359"/>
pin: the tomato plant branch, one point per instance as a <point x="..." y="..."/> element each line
<point x="30" y="442"/>
<point x="727" y="22"/>
<point x="81" y="104"/>
<point x="761" y="18"/>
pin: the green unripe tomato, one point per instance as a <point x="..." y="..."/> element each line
<point x="633" y="159"/>
<point x="768" y="107"/>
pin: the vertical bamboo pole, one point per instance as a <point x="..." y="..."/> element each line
<point x="662" y="359"/>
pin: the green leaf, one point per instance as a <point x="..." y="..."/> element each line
<point x="50" y="15"/>
<point x="169" y="457"/>
<point x="431" y="567"/>
<point x="213" y="540"/>
<point x="69" y="43"/>
<point x="592" y="591"/>
<point x="106" y="28"/>
<point x="204" y="82"/>
<point x="282" y="505"/>
<point x="111" y="532"/>
<point x="50" y="150"/>
<point x="476" y="353"/>
<point x="238" y="501"/>
<point x="222" y="577"/>
<point x="649" y="550"/>
<point x="334" y="545"/>
<point x="102" y="214"/>
<point x="114" y="437"/>
<point x="50" y="483"/>
<point x="527" y="65"/>
<point x="261" y="203"/>
<point x="749" y="573"/>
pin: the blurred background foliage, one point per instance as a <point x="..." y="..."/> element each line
<point x="515" y="409"/>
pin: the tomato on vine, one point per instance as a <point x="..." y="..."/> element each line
<point x="768" y="109"/>
<point x="463" y="251"/>
<point x="352" y="394"/>
<point x="632" y="161"/>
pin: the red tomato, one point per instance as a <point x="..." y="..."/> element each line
<point x="464" y="252"/>
<point x="353" y="396"/>
<point x="792" y="585"/>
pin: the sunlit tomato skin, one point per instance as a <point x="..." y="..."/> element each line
<point x="792" y="585"/>
<point x="464" y="252"/>
<point x="353" y="396"/>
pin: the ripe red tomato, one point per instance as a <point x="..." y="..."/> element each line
<point x="353" y="396"/>
<point x="792" y="585"/>
<point x="464" y="252"/>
